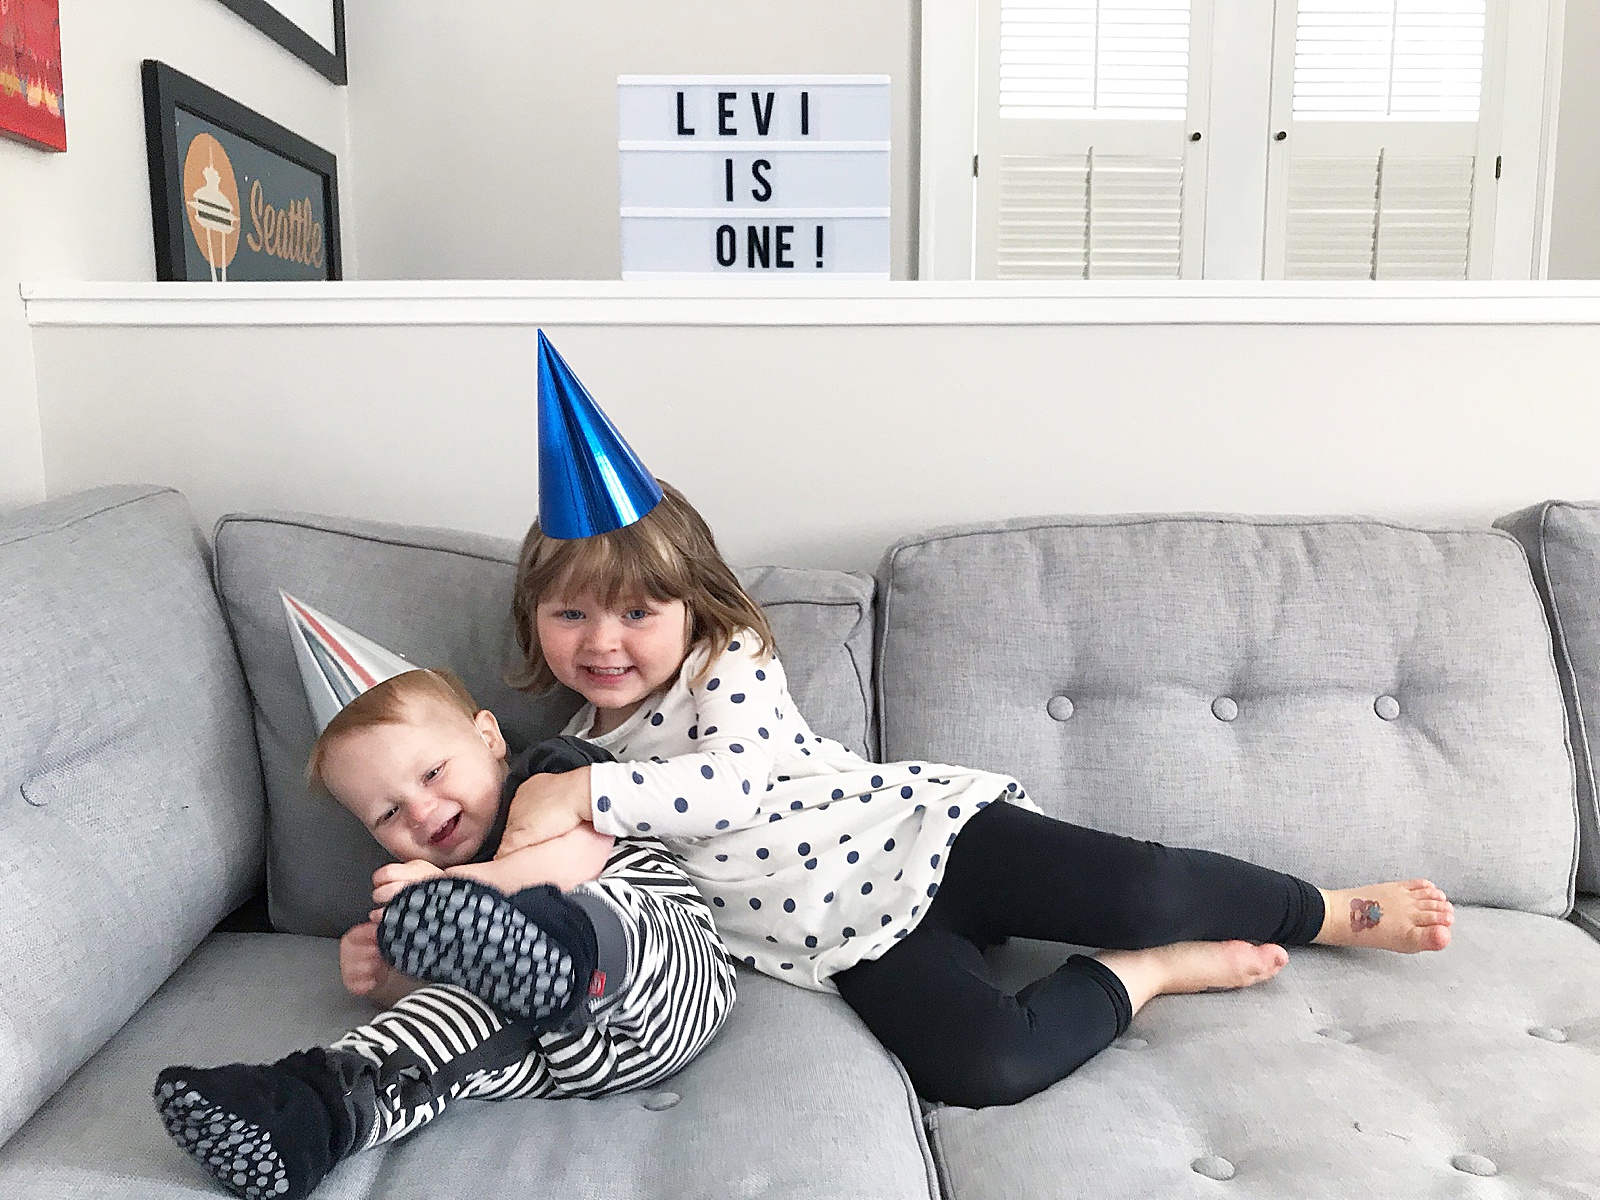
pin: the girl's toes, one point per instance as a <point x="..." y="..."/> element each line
<point x="1435" y="937"/>
<point x="1267" y="961"/>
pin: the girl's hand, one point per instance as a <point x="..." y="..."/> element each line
<point x="388" y="879"/>
<point x="545" y="807"/>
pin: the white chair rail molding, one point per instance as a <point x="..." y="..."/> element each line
<point x="847" y="410"/>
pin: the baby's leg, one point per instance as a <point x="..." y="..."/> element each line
<point x="274" y="1130"/>
<point x="535" y="956"/>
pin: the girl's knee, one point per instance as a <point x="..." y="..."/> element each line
<point x="984" y="1080"/>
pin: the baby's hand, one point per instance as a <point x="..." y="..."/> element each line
<point x="387" y="880"/>
<point x="360" y="965"/>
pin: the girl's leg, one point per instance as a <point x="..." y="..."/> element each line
<point x="1016" y="873"/>
<point x="1019" y="873"/>
<point x="932" y="1001"/>
<point x="1408" y="915"/>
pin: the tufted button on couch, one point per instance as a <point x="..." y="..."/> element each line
<point x="1347" y="699"/>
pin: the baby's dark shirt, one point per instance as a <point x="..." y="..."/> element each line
<point x="553" y="756"/>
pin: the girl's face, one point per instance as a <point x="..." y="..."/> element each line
<point x="614" y="657"/>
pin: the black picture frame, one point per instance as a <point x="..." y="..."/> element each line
<point x="295" y="40"/>
<point x="167" y="90"/>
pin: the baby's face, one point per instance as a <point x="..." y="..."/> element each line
<point x="428" y="787"/>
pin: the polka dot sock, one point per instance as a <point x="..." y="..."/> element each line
<point x="524" y="956"/>
<point x="269" y="1132"/>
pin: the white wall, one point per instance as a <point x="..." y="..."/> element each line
<point x="85" y="214"/>
<point x="1575" y="214"/>
<point x="486" y="138"/>
<point x="818" y="439"/>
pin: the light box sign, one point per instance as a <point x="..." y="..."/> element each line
<point x="754" y="175"/>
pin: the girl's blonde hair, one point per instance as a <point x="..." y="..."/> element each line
<point x="668" y="554"/>
<point x="390" y="703"/>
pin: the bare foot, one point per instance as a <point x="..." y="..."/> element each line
<point x="1408" y="916"/>
<point x="1192" y="967"/>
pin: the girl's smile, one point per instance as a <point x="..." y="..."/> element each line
<point x="614" y="657"/>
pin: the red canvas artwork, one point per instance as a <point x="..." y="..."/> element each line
<point x="31" y="106"/>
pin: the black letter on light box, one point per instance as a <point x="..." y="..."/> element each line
<point x="783" y="245"/>
<point x="727" y="164"/>
<point x="805" y="113"/>
<point x="684" y="130"/>
<point x="764" y="192"/>
<point x="727" y="246"/>
<point x="725" y="114"/>
<point x="763" y="120"/>
<point x="763" y="246"/>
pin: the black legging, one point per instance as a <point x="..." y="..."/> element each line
<point x="933" y="1001"/>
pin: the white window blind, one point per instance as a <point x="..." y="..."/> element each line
<point x="1374" y="60"/>
<point x="1086" y="136"/>
<point x="1383" y="149"/>
<point x="1389" y="218"/>
<point x="1094" y="58"/>
<point x="1091" y="216"/>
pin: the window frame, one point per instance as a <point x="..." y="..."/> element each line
<point x="1238" y="159"/>
<point x="1071" y="136"/>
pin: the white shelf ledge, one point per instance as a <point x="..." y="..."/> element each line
<point x="724" y="302"/>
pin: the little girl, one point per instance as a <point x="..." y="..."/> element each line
<point x="882" y="882"/>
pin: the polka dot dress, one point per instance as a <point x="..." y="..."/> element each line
<point x="812" y="858"/>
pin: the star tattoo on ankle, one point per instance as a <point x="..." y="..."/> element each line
<point x="1364" y="915"/>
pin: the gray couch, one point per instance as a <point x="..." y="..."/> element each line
<point x="1346" y="699"/>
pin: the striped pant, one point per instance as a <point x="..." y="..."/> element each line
<point x="441" y="1043"/>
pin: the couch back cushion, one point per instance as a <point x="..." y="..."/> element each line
<point x="132" y="818"/>
<point x="443" y="598"/>
<point x="1346" y="700"/>
<point x="1563" y="545"/>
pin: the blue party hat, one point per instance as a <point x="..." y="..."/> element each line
<point x="590" y="480"/>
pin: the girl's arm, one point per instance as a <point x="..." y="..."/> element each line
<point x="742" y="712"/>
<point x="574" y="857"/>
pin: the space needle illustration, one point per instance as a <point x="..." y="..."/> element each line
<point x="214" y="212"/>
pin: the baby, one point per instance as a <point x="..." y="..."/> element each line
<point x="580" y="967"/>
<point x="426" y="772"/>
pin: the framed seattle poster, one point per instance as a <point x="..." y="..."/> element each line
<point x="234" y="196"/>
<point x="31" y="107"/>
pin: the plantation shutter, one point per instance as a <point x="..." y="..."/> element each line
<point x="1383" y="178"/>
<point x="1083" y="140"/>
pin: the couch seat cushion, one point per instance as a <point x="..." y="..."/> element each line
<point x="1353" y="1073"/>
<point x="792" y="1099"/>
<point x="443" y="598"/>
